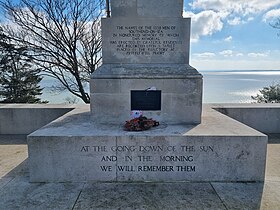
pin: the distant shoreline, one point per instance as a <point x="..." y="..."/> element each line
<point x="238" y="70"/>
<point x="219" y="86"/>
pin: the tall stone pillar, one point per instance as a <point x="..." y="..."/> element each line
<point x="146" y="44"/>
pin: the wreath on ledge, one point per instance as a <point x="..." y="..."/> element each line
<point x="140" y="124"/>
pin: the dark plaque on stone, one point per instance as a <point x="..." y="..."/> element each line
<point x="146" y="100"/>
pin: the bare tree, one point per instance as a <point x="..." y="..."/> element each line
<point x="276" y="24"/>
<point x="63" y="38"/>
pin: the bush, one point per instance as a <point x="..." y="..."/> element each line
<point x="269" y="94"/>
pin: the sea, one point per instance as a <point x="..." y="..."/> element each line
<point x="218" y="86"/>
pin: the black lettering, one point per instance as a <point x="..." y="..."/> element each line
<point x="126" y="168"/>
<point x="188" y="148"/>
<point x="109" y="158"/>
<point x="128" y="158"/>
<point x="207" y="148"/>
<point x="123" y="148"/>
<point x="186" y="168"/>
<point x="155" y="168"/>
<point x="99" y="148"/>
<point x="106" y="168"/>
<point x="150" y="148"/>
<point x="85" y="149"/>
<point x="176" y="158"/>
<point x="145" y="158"/>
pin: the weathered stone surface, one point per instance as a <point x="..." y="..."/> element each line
<point x="26" y="118"/>
<point x="145" y="71"/>
<point x="180" y="85"/>
<point x="240" y="195"/>
<point x="67" y="158"/>
<point x="145" y="40"/>
<point x="147" y="8"/>
<point x="219" y="149"/>
<point x="160" y="8"/>
<point x="4" y="181"/>
<point x="146" y="44"/>
<point x="22" y="195"/>
<point x="180" y="195"/>
<point x="149" y="196"/>
<point x="124" y="8"/>
<point x="271" y="195"/>
<point x="252" y="113"/>
<point x="189" y="159"/>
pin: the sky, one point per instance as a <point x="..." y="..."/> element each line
<point x="234" y="34"/>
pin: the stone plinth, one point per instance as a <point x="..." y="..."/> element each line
<point x="180" y="85"/>
<point x="75" y="149"/>
<point x="147" y="8"/>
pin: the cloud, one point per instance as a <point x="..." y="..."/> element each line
<point x="231" y="64"/>
<point x="211" y="15"/>
<point x="240" y="7"/>
<point x="234" y="21"/>
<point x="230" y="53"/>
<point x="274" y="13"/>
<point x="257" y="55"/>
<point x="233" y="55"/>
<point x="239" y="61"/>
<point x="249" y="19"/>
<point x="226" y="53"/>
<point x="205" y="55"/>
<point x="204" y="23"/>
<point x="228" y="39"/>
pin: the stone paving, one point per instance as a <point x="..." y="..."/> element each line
<point x="17" y="193"/>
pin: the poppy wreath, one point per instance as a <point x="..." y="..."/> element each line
<point x="140" y="124"/>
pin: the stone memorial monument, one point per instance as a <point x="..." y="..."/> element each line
<point x="146" y="67"/>
<point x="146" y="44"/>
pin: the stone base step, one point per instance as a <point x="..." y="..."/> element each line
<point x="74" y="149"/>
